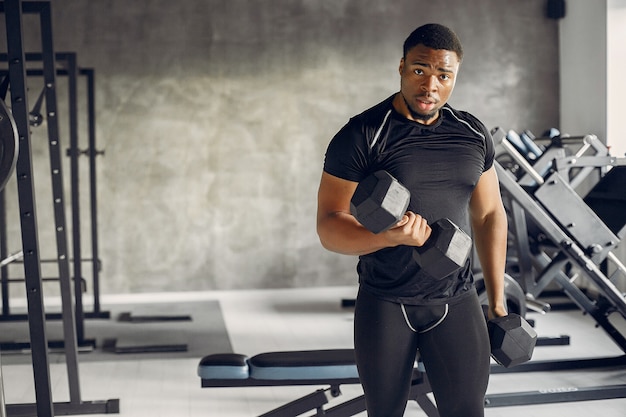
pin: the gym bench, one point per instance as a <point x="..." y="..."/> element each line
<point x="332" y="368"/>
<point x="328" y="368"/>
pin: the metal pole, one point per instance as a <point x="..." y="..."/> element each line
<point x="4" y="270"/>
<point x="27" y="210"/>
<point x="93" y="194"/>
<point x="74" y="154"/>
<point x="54" y="142"/>
<point x="3" y="409"/>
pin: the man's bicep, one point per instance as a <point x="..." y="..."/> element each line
<point x="486" y="197"/>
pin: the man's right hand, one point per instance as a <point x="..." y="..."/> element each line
<point x="411" y="230"/>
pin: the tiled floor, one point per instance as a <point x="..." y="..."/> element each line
<point x="270" y="320"/>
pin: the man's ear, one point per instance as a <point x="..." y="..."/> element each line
<point x="401" y="67"/>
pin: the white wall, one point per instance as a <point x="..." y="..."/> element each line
<point x="583" y="64"/>
<point x="616" y="83"/>
<point x="616" y="90"/>
<point x="592" y="58"/>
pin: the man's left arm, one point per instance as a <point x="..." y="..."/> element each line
<point x="489" y="226"/>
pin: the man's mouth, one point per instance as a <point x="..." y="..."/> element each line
<point x="425" y="105"/>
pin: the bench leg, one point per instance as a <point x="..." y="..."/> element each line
<point x="345" y="409"/>
<point x="294" y="408"/>
<point x="419" y="390"/>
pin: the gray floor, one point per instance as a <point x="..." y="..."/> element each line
<point x="271" y="320"/>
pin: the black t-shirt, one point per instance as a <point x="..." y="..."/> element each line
<point x="440" y="164"/>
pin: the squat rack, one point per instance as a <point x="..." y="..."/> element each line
<point x="69" y="68"/>
<point x="44" y="406"/>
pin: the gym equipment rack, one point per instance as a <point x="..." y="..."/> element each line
<point x="68" y="67"/>
<point x="557" y="237"/>
<point x="44" y="405"/>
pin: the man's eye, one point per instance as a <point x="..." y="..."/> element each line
<point x="445" y="77"/>
<point x="418" y="71"/>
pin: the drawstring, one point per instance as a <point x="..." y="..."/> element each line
<point x="437" y="323"/>
<point x="406" y="318"/>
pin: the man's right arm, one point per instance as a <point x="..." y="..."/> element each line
<point x="340" y="232"/>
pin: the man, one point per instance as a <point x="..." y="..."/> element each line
<point x="445" y="158"/>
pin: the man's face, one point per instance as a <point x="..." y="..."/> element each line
<point x="427" y="78"/>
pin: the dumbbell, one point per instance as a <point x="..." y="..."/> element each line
<point x="512" y="339"/>
<point x="380" y="201"/>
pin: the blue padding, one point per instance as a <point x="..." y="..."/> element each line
<point x="304" y="372"/>
<point x="223" y="372"/>
<point x="224" y="366"/>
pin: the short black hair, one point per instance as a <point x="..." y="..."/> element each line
<point x="435" y="36"/>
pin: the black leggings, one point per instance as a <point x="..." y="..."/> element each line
<point x="453" y="345"/>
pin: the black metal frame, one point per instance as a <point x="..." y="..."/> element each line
<point x="68" y="60"/>
<point x="537" y="198"/>
<point x="316" y="400"/>
<point x="72" y="71"/>
<point x="44" y="406"/>
<point x="566" y="228"/>
<point x="26" y="192"/>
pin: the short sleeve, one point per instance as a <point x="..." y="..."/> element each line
<point x="347" y="153"/>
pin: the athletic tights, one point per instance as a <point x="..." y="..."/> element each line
<point x="453" y="345"/>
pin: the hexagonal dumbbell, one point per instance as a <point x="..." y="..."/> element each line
<point x="445" y="251"/>
<point x="512" y="340"/>
<point x="380" y="201"/>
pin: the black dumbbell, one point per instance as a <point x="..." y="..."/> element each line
<point x="512" y="339"/>
<point x="445" y="251"/>
<point x="380" y="201"/>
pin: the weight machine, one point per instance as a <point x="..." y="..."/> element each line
<point x="566" y="209"/>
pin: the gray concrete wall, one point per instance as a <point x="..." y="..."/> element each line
<point x="215" y="115"/>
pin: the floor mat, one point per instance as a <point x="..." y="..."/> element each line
<point x="133" y="332"/>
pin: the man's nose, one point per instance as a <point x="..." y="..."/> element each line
<point x="430" y="84"/>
